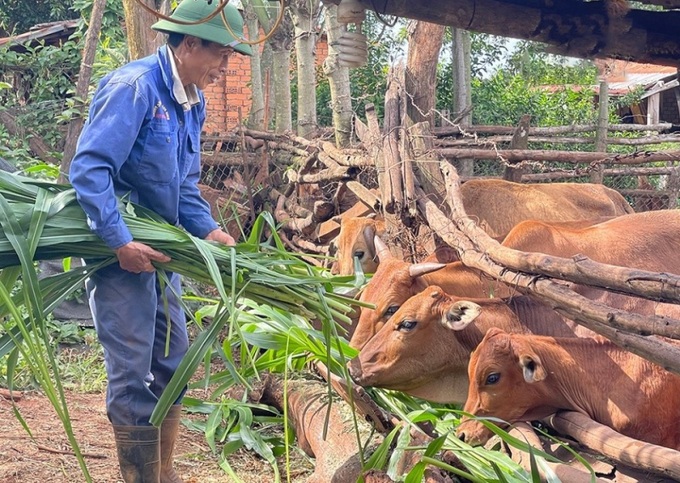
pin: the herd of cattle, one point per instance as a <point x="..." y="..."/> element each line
<point x="445" y="332"/>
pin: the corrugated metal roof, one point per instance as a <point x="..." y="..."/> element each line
<point x="49" y="33"/>
<point x="624" y="76"/>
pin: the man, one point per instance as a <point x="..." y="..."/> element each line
<point x="142" y="141"/>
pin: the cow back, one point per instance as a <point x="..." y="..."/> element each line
<point x="498" y="205"/>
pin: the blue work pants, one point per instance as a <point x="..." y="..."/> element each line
<point x="131" y="324"/>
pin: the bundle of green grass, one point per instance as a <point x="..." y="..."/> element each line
<point x="43" y="220"/>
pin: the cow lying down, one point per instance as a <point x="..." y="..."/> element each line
<point x="523" y="377"/>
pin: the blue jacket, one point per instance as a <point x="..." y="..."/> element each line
<point x="138" y="142"/>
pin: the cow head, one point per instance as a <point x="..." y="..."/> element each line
<point x="393" y="283"/>
<point x="356" y="240"/>
<point x="504" y="371"/>
<point x="417" y="347"/>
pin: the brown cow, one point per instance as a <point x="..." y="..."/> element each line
<point x="646" y="241"/>
<point x="425" y="347"/>
<point x="521" y="377"/>
<point x="356" y="240"/>
<point x="497" y="206"/>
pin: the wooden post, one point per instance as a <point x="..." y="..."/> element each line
<point x="597" y="173"/>
<point x="520" y="140"/>
<point x="673" y="187"/>
<point x="653" y="108"/>
<point x="393" y="201"/>
<point x="462" y="84"/>
<point x="426" y="164"/>
<point x="374" y="145"/>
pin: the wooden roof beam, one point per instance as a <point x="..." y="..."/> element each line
<point x="573" y="28"/>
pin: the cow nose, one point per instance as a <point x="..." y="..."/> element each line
<point x="461" y="435"/>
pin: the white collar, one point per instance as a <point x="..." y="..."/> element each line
<point x="186" y="96"/>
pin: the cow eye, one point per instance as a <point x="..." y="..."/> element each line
<point x="391" y="310"/>
<point x="407" y="325"/>
<point x="359" y="254"/>
<point x="492" y="378"/>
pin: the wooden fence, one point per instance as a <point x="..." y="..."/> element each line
<point x="634" y="159"/>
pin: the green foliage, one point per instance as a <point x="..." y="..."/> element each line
<point x="507" y="84"/>
<point x="504" y="98"/>
<point x="43" y="77"/>
<point x="530" y="61"/>
<point x="18" y="16"/>
<point x="234" y="425"/>
<point x="81" y="366"/>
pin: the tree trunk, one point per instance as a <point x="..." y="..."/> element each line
<point x="141" y="40"/>
<point x="424" y="44"/>
<point x="281" y="43"/>
<point x="257" y="86"/>
<point x="394" y="201"/>
<point x="305" y="18"/>
<point x="338" y="79"/>
<point x="283" y="117"/>
<point x="267" y="70"/>
<point x="82" y="85"/>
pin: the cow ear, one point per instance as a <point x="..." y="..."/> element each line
<point x="532" y="368"/>
<point x="461" y="314"/>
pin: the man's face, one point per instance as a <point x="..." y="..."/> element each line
<point x="202" y="64"/>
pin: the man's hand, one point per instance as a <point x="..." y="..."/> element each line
<point x="136" y="257"/>
<point x="220" y="236"/>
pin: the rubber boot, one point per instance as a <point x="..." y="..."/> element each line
<point x="139" y="453"/>
<point x="169" y="431"/>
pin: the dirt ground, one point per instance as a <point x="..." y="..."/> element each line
<point x="48" y="458"/>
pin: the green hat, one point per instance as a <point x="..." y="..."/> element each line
<point x="213" y="30"/>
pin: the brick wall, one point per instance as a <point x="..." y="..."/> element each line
<point x="225" y="99"/>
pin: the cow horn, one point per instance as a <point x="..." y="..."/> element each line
<point x="418" y="269"/>
<point x="381" y="250"/>
<point x="461" y="314"/>
<point x="369" y="238"/>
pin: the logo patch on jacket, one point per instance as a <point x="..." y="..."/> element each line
<point x="160" y="112"/>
